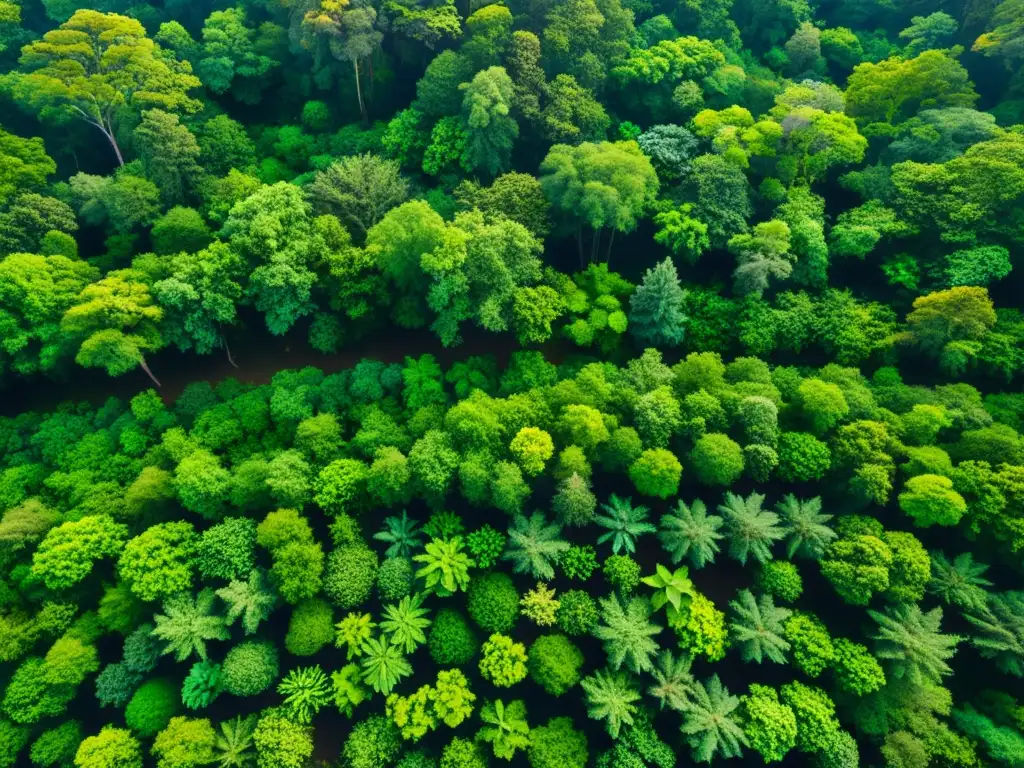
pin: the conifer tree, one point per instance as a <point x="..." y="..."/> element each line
<point x="656" y="308"/>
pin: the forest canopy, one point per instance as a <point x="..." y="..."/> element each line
<point x="667" y="404"/>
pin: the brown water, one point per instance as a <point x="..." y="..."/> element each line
<point x="258" y="355"/>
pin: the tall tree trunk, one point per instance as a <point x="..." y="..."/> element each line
<point x="608" y="253"/>
<point x="595" y="246"/>
<point x="227" y="349"/>
<point x="359" y="90"/>
<point x="579" y="244"/>
<point x="142" y="362"/>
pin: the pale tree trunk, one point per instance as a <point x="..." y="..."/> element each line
<point x="107" y="130"/>
<point x="228" y="350"/>
<point x="142" y="363"/>
<point x="595" y="246"/>
<point x="608" y="253"/>
<point x="359" y="90"/>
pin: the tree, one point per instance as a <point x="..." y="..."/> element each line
<point x="750" y="529"/>
<point x="931" y="500"/>
<point x="306" y="691"/>
<point x="534" y="546"/>
<point x="757" y="627"/>
<point x="672" y="589"/>
<point x="169" y="153"/>
<point x="960" y="582"/>
<point x="858" y="567"/>
<point x="505" y="728"/>
<point x="384" y="665"/>
<point x="110" y="747"/>
<point x="1002" y="637"/>
<point x="895" y="88"/>
<point x="625" y="523"/>
<point x="717" y="459"/>
<point x="711" y="723"/>
<point x="446" y="566"/>
<point x="180" y="230"/>
<point x="280" y="742"/>
<point x="656" y="472"/>
<point x="603" y="186"/>
<point x="252" y="600"/>
<point x="67" y="553"/>
<point x="234" y="745"/>
<point x="117" y="321"/>
<point x="761" y="256"/>
<point x="721" y="198"/>
<point x="913" y="644"/>
<point x="532" y="447"/>
<point x="948" y="323"/>
<point x="610" y="697"/>
<point x="35" y="292"/>
<point x="808" y="532"/>
<point x="571" y="113"/>
<point x="557" y="745"/>
<point x="691" y="533"/>
<point x="656" y="308"/>
<point x="404" y="623"/>
<point x="627" y="633"/>
<point x="230" y="58"/>
<point x="273" y="231"/>
<point x="359" y="190"/>
<point x="769" y="725"/>
<point x="95" y="66"/>
<point x="157" y="563"/>
<point x="23" y="163"/>
<point x="486" y="107"/>
<point x="199" y="298"/>
<point x="352" y="34"/>
<point x="188" y="623"/>
<point x="503" y="661"/>
<point x="186" y="742"/>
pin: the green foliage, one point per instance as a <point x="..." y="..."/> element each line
<point x="554" y="663"/>
<point x="310" y="628"/>
<point x="503" y="661"/>
<point x="188" y="623"/>
<point x="306" y="691"/>
<point x="152" y="707"/>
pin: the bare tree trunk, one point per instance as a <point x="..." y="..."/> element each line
<point x="359" y="90"/>
<point x="579" y="244"/>
<point x="608" y="253"/>
<point x="595" y="246"/>
<point x="142" y="362"/>
<point x="228" y="350"/>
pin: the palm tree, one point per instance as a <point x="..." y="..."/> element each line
<point x="234" y="747"/>
<point x="672" y="588"/>
<point x="757" y="627"/>
<point x="610" y="697"/>
<point x="401" y="535"/>
<point x="627" y="634"/>
<point x="445" y="566"/>
<point x="505" y="727"/>
<point x="1002" y="627"/>
<point x="710" y="723"/>
<point x="624" y="523"/>
<point x="913" y="643"/>
<point x="405" y="623"/>
<point x="809" y="533"/>
<point x="692" y="533"/>
<point x="251" y="600"/>
<point x="306" y="691"/>
<point x="750" y="529"/>
<point x="188" y="623"/>
<point x="384" y="665"/>
<point x="960" y="582"/>
<point x="534" y="546"/>
<point x="673" y="683"/>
